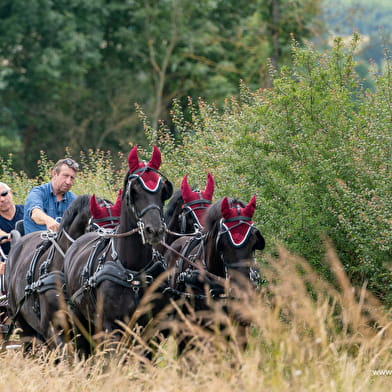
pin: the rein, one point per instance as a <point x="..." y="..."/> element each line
<point x="119" y="235"/>
<point x="51" y="236"/>
<point x="196" y="232"/>
<point x="197" y="266"/>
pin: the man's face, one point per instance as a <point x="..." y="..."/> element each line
<point x="62" y="182"/>
<point x="5" y="199"/>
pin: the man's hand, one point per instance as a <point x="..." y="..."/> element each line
<point x="39" y="217"/>
<point x="52" y="224"/>
<point x="6" y="237"/>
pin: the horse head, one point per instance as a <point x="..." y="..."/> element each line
<point x="195" y="204"/>
<point x="105" y="214"/>
<point x="144" y="194"/>
<point x="234" y="238"/>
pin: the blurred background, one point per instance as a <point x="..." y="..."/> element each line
<point x="80" y="74"/>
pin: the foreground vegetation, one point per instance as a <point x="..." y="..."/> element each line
<point x="339" y="341"/>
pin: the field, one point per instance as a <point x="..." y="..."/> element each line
<point x="306" y="335"/>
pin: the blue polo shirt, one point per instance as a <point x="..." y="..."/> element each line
<point x="42" y="197"/>
<point x="8" y="225"/>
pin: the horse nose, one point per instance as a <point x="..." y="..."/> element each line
<point x="154" y="234"/>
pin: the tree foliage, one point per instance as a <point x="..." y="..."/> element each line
<point x="71" y="71"/>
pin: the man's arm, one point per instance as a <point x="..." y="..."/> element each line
<point x="40" y="218"/>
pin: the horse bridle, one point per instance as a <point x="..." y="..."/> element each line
<point x="137" y="176"/>
<point x="189" y="209"/>
<point x="254" y="275"/>
<point x="109" y="220"/>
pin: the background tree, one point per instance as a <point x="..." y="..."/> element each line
<point x="71" y="71"/>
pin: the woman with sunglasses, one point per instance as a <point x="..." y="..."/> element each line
<point x="45" y="204"/>
<point x="9" y="215"/>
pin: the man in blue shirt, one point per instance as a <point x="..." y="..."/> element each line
<point x="45" y="204"/>
<point x="9" y="215"/>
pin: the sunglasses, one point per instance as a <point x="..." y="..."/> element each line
<point x="69" y="162"/>
<point x="4" y="193"/>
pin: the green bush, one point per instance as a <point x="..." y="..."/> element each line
<point x="98" y="175"/>
<point x="315" y="149"/>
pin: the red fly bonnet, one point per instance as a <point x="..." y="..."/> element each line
<point x="196" y="202"/>
<point x="237" y="221"/>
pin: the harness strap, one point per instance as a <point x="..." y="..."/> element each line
<point x="45" y="283"/>
<point x="98" y="247"/>
<point x="190" y="245"/>
<point x="39" y="250"/>
<point x="108" y="219"/>
<point x="115" y="272"/>
<point x="50" y="281"/>
<point x="215" y="294"/>
<point x="237" y="218"/>
<point x="198" y="201"/>
<point x="203" y="271"/>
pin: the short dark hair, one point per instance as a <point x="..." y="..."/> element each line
<point x="66" y="161"/>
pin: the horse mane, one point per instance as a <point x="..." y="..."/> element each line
<point x="172" y="206"/>
<point x="214" y="215"/>
<point x="76" y="207"/>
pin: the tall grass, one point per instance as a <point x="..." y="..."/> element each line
<point x="306" y="334"/>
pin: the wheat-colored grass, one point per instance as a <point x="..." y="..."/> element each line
<point x="305" y="335"/>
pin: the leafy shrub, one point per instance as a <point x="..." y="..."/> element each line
<point x="315" y="149"/>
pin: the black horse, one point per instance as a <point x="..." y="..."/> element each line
<point x="186" y="209"/>
<point x="226" y="244"/>
<point x="34" y="272"/>
<point x="218" y="263"/>
<point x="107" y="275"/>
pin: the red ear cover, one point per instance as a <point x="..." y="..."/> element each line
<point x="134" y="163"/>
<point x="249" y="210"/>
<point x="238" y="232"/>
<point x="133" y="160"/>
<point x="116" y="208"/>
<point x="99" y="212"/>
<point x="95" y="209"/>
<point x="189" y="195"/>
<point x="186" y="191"/>
<point x="225" y="208"/>
<point x="155" y="161"/>
<point x="208" y="193"/>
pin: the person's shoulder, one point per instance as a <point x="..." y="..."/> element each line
<point x="40" y="188"/>
<point x="38" y="194"/>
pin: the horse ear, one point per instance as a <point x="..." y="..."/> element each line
<point x="167" y="190"/>
<point x="186" y="190"/>
<point x="94" y="207"/>
<point x="225" y="208"/>
<point x="155" y="161"/>
<point x="249" y="210"/>
<point x="116" y="208"/>
<point x="260" y="243"/>
<point x="133" y="160"/>
<point x="209" y="191"/>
